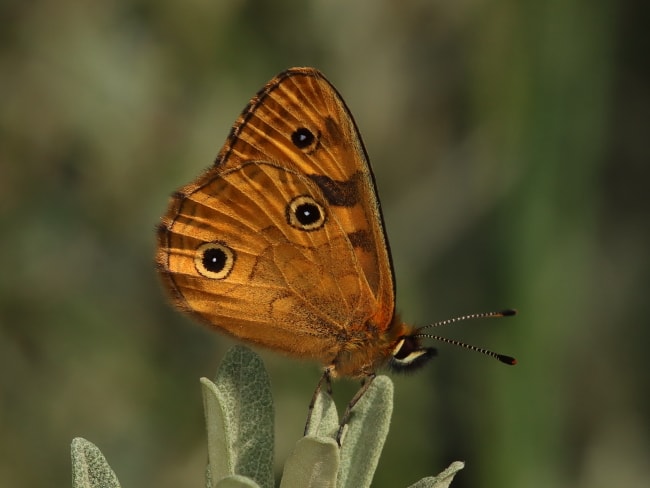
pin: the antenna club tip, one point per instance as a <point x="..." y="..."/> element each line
<point x="507" y="359"/>
<point x="508" y="312"/>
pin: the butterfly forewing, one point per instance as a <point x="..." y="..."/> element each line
<point x="301" y="98"/>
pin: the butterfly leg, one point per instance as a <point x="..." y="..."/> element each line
<point x="326" y="378"/>
<point x="365" y="384"/>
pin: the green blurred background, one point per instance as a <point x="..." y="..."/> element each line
<point x="509" y="141"/>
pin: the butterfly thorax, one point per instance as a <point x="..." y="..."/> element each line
<point x="363" y="353"/>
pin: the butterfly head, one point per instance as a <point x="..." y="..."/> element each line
<point x="409" y="354"/>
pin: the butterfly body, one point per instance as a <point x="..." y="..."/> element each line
<point x="281" y="242"/>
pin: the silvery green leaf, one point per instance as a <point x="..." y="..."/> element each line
<point x="239" y="419"/>
<point x="443" y="480"/>
<point x="364" y="436"/>
<point x="89" y="467"/>
<point x="314" y="463"/>
<point x="324" y="420"/>
<point x="236" y="481"/>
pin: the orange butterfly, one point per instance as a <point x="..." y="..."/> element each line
<point x="281" y="242"/>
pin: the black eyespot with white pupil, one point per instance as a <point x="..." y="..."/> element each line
<point x="214" y="260"/>
<point x="303" y="138"/>
<point x="305" y="213"/>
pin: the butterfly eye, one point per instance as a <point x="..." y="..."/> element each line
<point x="305" y="213"/>
<point x="214" y="260"/>
<point x="409" y="355"/>
<point x="303" y="138"/>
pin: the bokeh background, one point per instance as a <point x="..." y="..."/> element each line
<point x="509" y="141"/>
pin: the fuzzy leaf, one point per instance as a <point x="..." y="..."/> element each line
<point x="365" y="434"/>
<point x="443" y="480"/>
<point x="89" y="467"/>
<point x="324" y="421"/>
<point x="221" y="462"/>
<point x="314" y="463"/>
<point x="239" y="419"/>
<point x="236" y="481"/>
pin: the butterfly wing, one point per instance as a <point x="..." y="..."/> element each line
<point x="300" y="290"/>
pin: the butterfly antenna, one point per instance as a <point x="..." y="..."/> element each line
<point x="501" y="357"/>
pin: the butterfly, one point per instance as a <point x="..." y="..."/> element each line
<point x="281" y="242"/>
